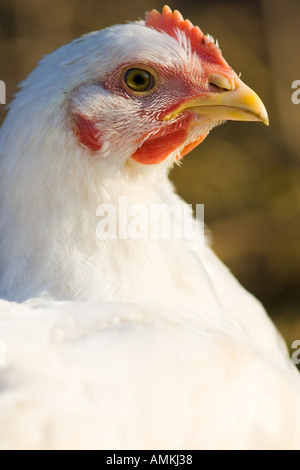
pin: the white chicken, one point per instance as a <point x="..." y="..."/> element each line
<point x="118" y="342"/>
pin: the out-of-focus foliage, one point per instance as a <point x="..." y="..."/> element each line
<point x="247" y="175"/>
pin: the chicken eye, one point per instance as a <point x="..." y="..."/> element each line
<point x="139" y="80"/>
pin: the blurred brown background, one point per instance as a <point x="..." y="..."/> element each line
<point x="247" y="175"/>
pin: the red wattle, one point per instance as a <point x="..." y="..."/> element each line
<point x="188" y="148"/>
<point x="157" y="148"/>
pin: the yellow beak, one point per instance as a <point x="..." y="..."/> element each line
<point x="237" y="104"/>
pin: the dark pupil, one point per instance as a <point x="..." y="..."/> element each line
<point x="139" y="79"/>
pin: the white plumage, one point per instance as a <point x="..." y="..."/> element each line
<point x="124" y="343"/>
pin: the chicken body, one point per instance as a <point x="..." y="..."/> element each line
<point x="127" y="343"/>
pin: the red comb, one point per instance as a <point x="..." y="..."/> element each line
<point x="172" y="22"/>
